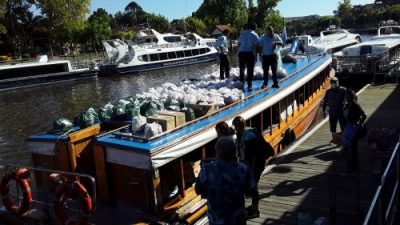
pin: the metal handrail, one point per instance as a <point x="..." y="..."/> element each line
<point x="43" y="170"/>
<point x="383" y="213"/>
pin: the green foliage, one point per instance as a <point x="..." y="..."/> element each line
<point x="3" y="29"/>
<point x="196" y="25"/>
<point x="275" y="20"/>
<point x="325" y="21"/>
<point x="98" y="28"/>
<point x="264" y="8"/>
<point x="126" y="35"/>
<point x="213" y="12"/>
<point x="392" y="13"/>
<point x="344" y="12"/>
<point x="63" y="16"/>
<point x="158" y="22"/>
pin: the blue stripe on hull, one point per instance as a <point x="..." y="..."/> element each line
<point x="114" y="69"/>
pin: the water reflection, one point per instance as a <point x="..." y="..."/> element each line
<point x="27" y="111"/>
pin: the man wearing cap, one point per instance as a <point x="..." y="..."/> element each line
<point x="225" y="182"/>
<point x="335" y="100"/>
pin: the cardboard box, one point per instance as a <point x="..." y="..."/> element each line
<point x="202" y="110"/>
<point x="167" y="122"/>
<point x="180" y="118"/>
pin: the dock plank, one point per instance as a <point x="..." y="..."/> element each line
<point x="313" y="177"/>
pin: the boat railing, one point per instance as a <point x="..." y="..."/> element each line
<point x="161" y="46"/>
<point x="388" y="65"/>
<point x="43" y="186"/>
<point x="376" y="64"/>
<point x="382" y="210"/>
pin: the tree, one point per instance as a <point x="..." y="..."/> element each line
<point x="325" y="21"/>
<point x="158" y="22"/>
<point x="126" y="35"/>
<point x="98" y="28"/>
<point x="233" y="12"/>
<point x="3" y="29"/>
<point x="392" y="13"/>
<point x="196" y="25"/>
<point x="344" y="13"/>
<point x="275" y="20"/>
<point x="63" y="17"/>
<point x="264" y="8"/>
<point x="135" y="14"/>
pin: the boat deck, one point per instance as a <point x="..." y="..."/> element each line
<point x="313" y="176"/>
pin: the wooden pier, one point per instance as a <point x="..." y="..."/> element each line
<point x="313" y="177"/>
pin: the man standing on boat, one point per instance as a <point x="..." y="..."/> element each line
<point x="335" y="99"/>
<point x="269" y="44"/>
<point x="222" y="48"/>
<point x="225" y="182"/>
<point x="248" y="42"/>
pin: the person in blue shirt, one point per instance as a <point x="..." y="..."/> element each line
<point x="222" y="48"/>
<point x="269" y="44"/>
<point x="248" y="41"/>
<point x="224" y="183"/>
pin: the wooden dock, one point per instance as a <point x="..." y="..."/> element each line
<point x="313" y="176"/>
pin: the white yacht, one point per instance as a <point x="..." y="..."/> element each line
<point x="388" y="37"/>
<point x="380" y="54"/>
<point x="328" y="41"/>
<point x="153" y="50"/>
<point x="42" y="71"/>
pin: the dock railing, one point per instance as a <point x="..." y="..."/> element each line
<point x="385" y="204"/>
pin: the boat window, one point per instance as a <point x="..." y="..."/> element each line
<point x="195" y="51"/>
<point x="180" y="54"/>
<point x="163" y="56"/>
<point x="145" y="58"/>
<point x="173" y="39"/>
<point x="202" y="50"/>
<point x="188" y="53"/>
<point x="154" y="57"/>
<point x="171" y="55"/>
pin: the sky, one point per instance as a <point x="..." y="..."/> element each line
<point x="177" y="9"/>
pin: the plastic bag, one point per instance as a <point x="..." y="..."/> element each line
<point x="105" y="113"/>
<point x="119" y="110"/>
<point x="86" y="118"/>
<point x="132" y="109"/>
<point x="189" y="114"/>
<point x="152" y="129"/>
<point x="138" y="123"/>
<point x="61" y="125"/>
<point x="149" y="108"/>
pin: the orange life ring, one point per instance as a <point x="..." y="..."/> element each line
<point x="72" y="190"/>
<point x="21" y="178"/>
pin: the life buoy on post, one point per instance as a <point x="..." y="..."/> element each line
<point x="65" y="190"/>
<point x="21" y="179"/>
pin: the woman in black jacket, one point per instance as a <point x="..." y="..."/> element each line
<point x="355" y="118"/>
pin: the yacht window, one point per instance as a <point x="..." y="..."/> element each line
<point x="195" y="51"/>
<point x="144" y="58"/>
<point x="188" y="53"/>
<point x="171" y="55"/>
<point x="180" y="54"/>
<point x="202" y="50"/>
<point x="163" y="56"/>
<point x="154" y="57"/>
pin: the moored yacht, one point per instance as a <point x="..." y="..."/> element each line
<point x="381" y="53"/>
<point x="155" y="51"/>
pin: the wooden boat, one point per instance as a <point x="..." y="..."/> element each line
<point x="144" y="180"/>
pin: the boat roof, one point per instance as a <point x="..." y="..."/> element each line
<point x="295" y="72"/>
<point x="33" y="64"/>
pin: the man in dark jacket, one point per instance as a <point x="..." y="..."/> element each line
<point x="335" y="100"/>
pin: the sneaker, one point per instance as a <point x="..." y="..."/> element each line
<point x="275" y="86"/>
<point x="252" y="213"/>
<point x="249" y="87"/>
<point x="264" y="86"/>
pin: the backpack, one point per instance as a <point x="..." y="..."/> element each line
<point x="257" y="146"/>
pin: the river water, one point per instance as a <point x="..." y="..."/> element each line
<point x="32" y="110"/>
